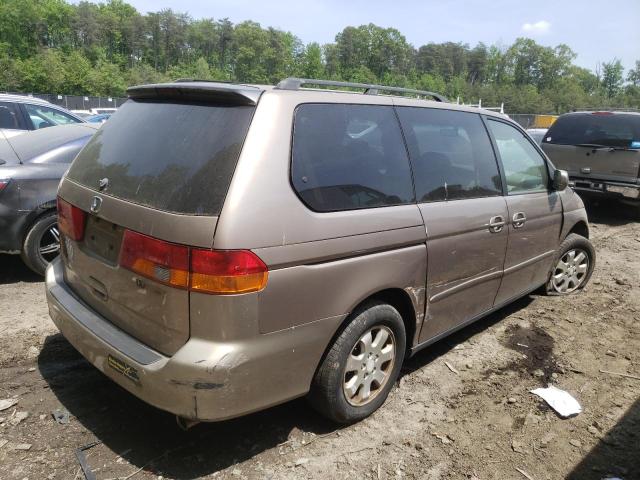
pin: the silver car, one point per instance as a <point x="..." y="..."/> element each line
<point x="20" y="113"/>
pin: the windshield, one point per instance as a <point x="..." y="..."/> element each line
<point x="42" y="116"/>
<point x="177" y="157"/>
<point x="596" y="129"/>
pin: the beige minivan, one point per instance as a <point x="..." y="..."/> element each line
<point x="230" y="247"/>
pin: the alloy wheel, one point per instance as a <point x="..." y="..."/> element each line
<point x="49" y="246"/>
<point x="571" y="271"/>
<point x="369" y="365"/>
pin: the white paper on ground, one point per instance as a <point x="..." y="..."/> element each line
<point x="7" y="403"/>
<point x="561" y="401"/>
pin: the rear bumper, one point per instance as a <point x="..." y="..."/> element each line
<point x="619" y="190"/>
<point x="204" y="380"/>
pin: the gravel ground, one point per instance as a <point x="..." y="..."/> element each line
<point x="477" y="422"/>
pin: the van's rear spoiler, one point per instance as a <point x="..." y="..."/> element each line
<point x="197" y="90"/>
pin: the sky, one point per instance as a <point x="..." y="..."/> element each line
<point x="597" y="31"/>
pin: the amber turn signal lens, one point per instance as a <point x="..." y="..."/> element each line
<point x="228" y="285"/>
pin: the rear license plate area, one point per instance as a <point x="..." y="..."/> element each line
<point x="102" y="239"/>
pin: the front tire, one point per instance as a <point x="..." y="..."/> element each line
<point x="573" y="266"/>
<point x="42" y="243"/>
<point x="361" y="367"/>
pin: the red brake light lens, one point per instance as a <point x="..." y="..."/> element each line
<point x="226" y="272"/>
<point x="3" y="184"/>
<point x="163" y="262"/>
<point x="71" y="220"/>
<point x="602" y="113"/>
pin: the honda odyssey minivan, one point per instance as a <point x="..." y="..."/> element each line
<point x="226" y="247"/>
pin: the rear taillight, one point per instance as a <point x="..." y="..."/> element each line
<point x="164" y="262"/>
<point x="3" y="184"/>
<point x="222" y="272"/>
<point x="227" y="271"/>
<point x="71" y="220"/>
<point x="602" y="113"/>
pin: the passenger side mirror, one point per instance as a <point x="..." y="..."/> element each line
<point x="560" y="180"/>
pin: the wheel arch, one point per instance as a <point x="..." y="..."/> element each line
<point x="397" y="298"/>
<point x="35" y="215"/>
<point x="401" y="301"/>
<point x="580" y="228"/>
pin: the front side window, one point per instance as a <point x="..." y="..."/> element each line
<point x="43" y="117"/>
<point x="524" y="168"/>
<point x="348" y="157"/>
<point x="451" y="154"/>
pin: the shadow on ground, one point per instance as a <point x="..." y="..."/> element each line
<point x="435" y="351"/>
<point x="145" y="434"/>
<point x="612" y="213"/>
<point x="125" y="424"/>
<point x="617" y="453"/>
<point x="13" y="270"/>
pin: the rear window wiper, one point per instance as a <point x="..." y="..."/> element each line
<point x="597" y="146"/>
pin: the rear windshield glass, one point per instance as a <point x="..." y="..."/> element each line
<point x="177" y="157"/>
<point x="606" y="129"/>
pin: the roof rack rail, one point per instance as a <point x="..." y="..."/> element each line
<point x="499" y="109"/>
<point x="369" y="89"/>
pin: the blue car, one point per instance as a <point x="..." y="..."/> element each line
<point x="100" y="118"/>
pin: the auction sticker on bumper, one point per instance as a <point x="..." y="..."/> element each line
<point x="123" y="368"/>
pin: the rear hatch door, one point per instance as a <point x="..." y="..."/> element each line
<point x="160" y="167"/>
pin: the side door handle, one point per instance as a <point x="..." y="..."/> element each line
<point x="496" y="224"/>
<point x="519" y="219"/>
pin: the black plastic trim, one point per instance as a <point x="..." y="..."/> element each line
<point x="232" y="94"/>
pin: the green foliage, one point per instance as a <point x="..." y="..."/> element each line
<point x="85" y="48"/>
<point x="612" y="77"/>
<point x="633" y="77"/>
<point x="311" y="64"/>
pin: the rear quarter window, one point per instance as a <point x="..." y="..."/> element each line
<point x="177" y="157"/>
<point x="348" y="157"/>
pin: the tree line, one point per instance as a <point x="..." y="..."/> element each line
<point x="51" y="46"/>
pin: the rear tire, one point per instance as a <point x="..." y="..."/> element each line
<point x="573" y="266"/>
<point x="42" y="243"/>
<point x="361" y="367"/>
